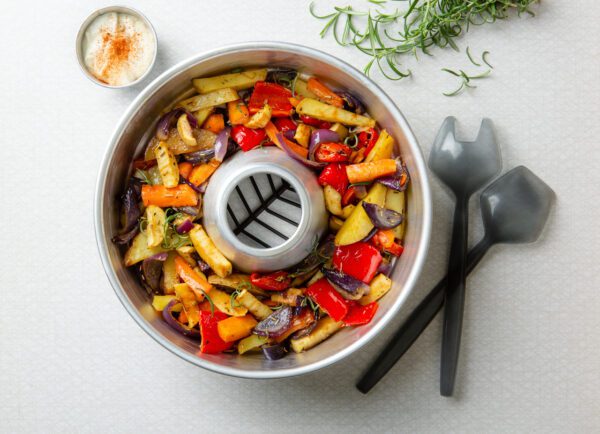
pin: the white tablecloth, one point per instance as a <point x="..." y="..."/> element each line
<point x="71" y="359"/>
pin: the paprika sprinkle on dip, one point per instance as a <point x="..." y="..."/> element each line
<point x="118" y="48"/>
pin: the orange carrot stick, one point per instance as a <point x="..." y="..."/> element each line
<point x="324" y="93"/>
<point x="272" y="133"/>
<point x="159" y="195"/>
<point x="214" y="123"/>
<point x="196" y="282"/>
<point x="236" y="327"/>
<point x="364" y="172"/>
<point x="202" y="172"/>
<point x="185" y="168"/>
<point x="238" y="112"/>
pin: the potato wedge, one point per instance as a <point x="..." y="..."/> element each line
<point x="167" y="165"/>
<point x="254" y="306"/>
<point x="159" y="302"/>
<point x="170" y="278"/>
<point x="341" y="130"/>
<point x="139" y="250"/>
<point x="335" y="223"/>
<point x="214" y="98"/>
<point x="261" y="118"/>
<point x="302" y="135"/>
<point x="380" y="285"/>
<point x="347" y="211"/>
<point x="222" y="301"/>
<point x="236" y="282"/>
<point x="333" y="200"/>
<point x="185" y="131"/>
<point x="325" y="112"/>
<point x="209" y="252"/>
<point x="383" y="149"/>
<point x="204" y="139"/>
<point x="236" y="80"/>
<point x="325" y="328"/>
<point x="301" y="89"/>
<point x="358" y="225"/>
<point x="189" y="302"/>
<point x="155" y="225"/>
<point x="395" y="200"/>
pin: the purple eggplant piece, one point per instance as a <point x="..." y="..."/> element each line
<point x="274" y="352"/>
<point x="350" y="287"/>
<point x="126" y="237"/>
<point x="385" y="268"/>
<point x="199" y="157"/>
<point x="275" y="324"/>
<point x="151" y="270"/>
<point x="382" y="218"/>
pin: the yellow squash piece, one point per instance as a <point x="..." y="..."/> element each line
<point x="185" y="131"/>
<point x="159" y="302"/>
<point x="395" y="200"/>
<point x="261" y="118"/>
<point x="253" y="304"/>
<point x="223" y="302"/>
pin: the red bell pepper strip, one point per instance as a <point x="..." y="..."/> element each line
<point x="367" y="139"/>
<point x="349" y="196"/>
<point x="359" y="260"/>
<point x="335" y="176"/>
<point x="285" y="124"/>
<point x="247" y="138"/>
<point x="277" y="281"/>
<point x="315" y="122"/>
<point x="209" y="332"/>
<point x="273" y="94"/>
<point x="358" y="314"/>
<point x="328" y="299"/>
<point x="395" y="249"/>
<point x="333" y="153"/>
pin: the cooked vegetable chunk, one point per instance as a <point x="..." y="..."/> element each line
<point x="358" y="224"/>
<point x="139" y="250"/>
<point x="236" y="282"/>
<point x="209" y="252"/>
<point x="380" y="285"/>
<point x="383" y="149"/>
<point x="211" y="99"/>
<point x="394" y="200"/>
<point x="155" y="225"/>
<point x="325" y="112"/>
<point x="237" y="80"/>
<point x="325" y="327"/>
<point x="185" y="130"/>
<point x="256" y="308"/>
<point x="236" y="328"/>
<point x="167" y="165"/>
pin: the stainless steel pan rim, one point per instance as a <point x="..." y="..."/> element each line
<point x="102" y="238"/>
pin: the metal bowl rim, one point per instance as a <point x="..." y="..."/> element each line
<point x="421" y="249"/>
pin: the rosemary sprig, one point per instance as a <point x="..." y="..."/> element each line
<point x="387" y="36"/>
<point x="171" y="238"/>
<point x="465" y="80"/>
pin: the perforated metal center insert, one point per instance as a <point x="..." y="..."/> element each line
<point x="263" y="210"/>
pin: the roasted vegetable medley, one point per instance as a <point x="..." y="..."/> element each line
<point x="194" y="286"/>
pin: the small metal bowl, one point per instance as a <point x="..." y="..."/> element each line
<point x="137" y="126"/>
<point x="81" y="34"/>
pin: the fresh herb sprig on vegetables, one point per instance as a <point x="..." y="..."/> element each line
<point x="386" y="36"/>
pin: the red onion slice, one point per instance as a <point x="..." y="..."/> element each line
<point x="275" y="324"/>
<point x="311" y="164"/>
<point x="350" y="287"/>
<point x="274" y="352"/>
<point x="222" y="143"/>
<point x="167" y="120"/>
<point x="185" y="227"/>
<point x="382" y="218"/>
<point x="167" y="314"/>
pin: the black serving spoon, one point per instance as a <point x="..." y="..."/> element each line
<point x="515" y="209"/>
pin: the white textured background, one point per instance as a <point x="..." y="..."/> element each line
<point x="71" y="360"/>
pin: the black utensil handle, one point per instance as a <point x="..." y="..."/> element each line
<point x="455" y="299"/>
<point x="414" y="325"/>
